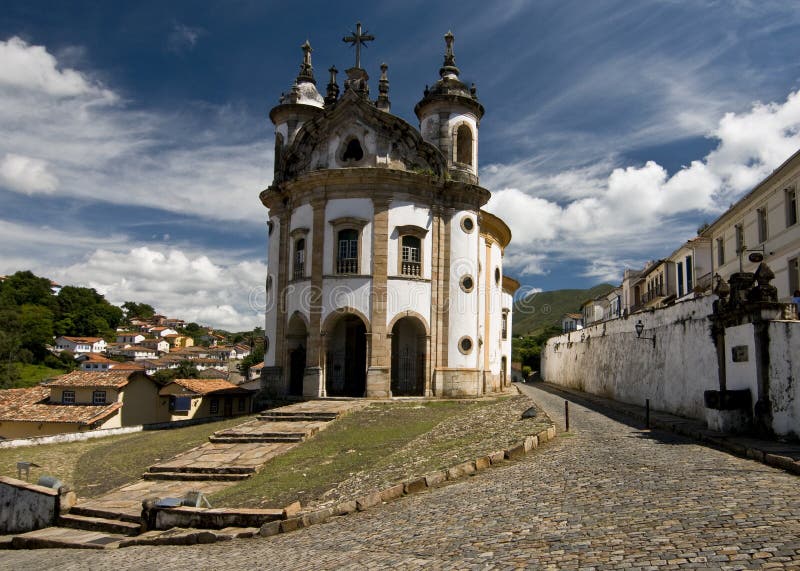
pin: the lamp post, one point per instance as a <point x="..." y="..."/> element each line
<point x="640" y="329"/>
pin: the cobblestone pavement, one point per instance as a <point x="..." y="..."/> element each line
<point x="605" y="496"/>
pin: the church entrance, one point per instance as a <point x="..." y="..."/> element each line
<point x="296" y="337"/>
<point x="408" y="357"/>
<point x="346" y="358"/>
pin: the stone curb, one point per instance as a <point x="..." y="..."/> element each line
<point x="690" y="429"/>
<point x="411" y="486"/>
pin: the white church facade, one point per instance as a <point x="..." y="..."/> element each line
<point x="385" y="276"/>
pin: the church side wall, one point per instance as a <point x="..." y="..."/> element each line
<point x="464" y="306"/>
<point x="346" y="292"/>
<point x="611" y="362"/>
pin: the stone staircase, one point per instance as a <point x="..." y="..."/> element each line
<point x="197" y="473"/>
<point x="300" y="416"/>
<point x="82" y="529"/>
<point x="267" y="435"/>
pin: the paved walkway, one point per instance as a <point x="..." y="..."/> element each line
<point x="606" y="496"/>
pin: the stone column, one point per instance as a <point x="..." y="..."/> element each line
<point x="379" y="350"/>
<point x="313" y="379"/>
<point x="277" y="374"/>
<point x="487" y="316"/>
<point x="440" y="297"/>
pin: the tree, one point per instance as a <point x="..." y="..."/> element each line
<point x="255" y="357"/>
<point x="35" y="329"/>
<point x="24" y="287"/>
<point x="140" y="310"/>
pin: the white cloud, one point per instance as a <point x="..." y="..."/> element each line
<point x="33" y="68"/>
<point x="183" y="38"/>
<point x="638" y="211"/>
<point x="181" y="283"/>
<point x="26" y="174"/>
<point x="83" y="141"/>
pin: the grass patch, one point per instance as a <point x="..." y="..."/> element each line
<point x="31" y="375"/>
<point x="96" y="466"/>
<point x="354" y="443"/>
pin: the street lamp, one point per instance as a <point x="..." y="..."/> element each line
<point x="640" y="329"/>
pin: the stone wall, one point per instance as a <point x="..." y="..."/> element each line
<point x="25" y="507"/>
<point x="608" y="359"/>
<point x="784" y="376"/>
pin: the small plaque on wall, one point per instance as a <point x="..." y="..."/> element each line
<point x="739" y="353"/>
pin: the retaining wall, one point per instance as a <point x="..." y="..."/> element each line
<point x="608" y="359"/>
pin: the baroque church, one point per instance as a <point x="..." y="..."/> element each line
<point x="385" y="275"/>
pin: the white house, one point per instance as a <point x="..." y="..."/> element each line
<point x="138" y="352"/>
<point x="158" y="344"/>
<point x="571" y="322"/>
<point x="130" y="337"/>
<point x="389" y="272"/>
<point x="692" y="263"/>
<point x="764" y="222"/>
<point x="81" y="344"/>
<point x="161" y="331"/>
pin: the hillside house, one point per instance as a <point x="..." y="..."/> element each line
<point x="81" y="344"/>
<point x="571" y="322"/>
<point x="158" y="344"/>
<point x="129" y="337"/>
<point x="204" y="398"/>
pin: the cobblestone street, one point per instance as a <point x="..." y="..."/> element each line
<point x="605" y="496"/>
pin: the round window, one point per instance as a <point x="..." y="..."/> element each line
<point x="467" y="283"/>
<point x="465" y="345"/>
<point x="497" y="276"/>
<point x="467" y="224"/>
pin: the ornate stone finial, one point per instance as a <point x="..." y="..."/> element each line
<point x="449" y="66"/>
<point x="383" y="90"/>
<point x="306" y="70"/>
<point x="332" y="93"/>
<point x="358" y="39"/>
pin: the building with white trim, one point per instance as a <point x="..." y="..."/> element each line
<point x="385" y="275"/>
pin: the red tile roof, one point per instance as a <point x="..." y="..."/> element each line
<point x="30" y="405"/>
<point x="207" y="386"/>
<point x="82" y="339"/>
<point x="113" y="379"/>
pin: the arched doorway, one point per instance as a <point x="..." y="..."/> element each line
<point x="408" y="357"/>
<point x="346" y="358"/>
<point x="296" y="337"/>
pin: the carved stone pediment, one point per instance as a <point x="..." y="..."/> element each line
<point x="354" y="133"/>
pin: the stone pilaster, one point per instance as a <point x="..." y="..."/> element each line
<point x="378" y="372"/>
<point x="281" y="366"/>
<point x="313" y="379"/>
<point x="487" y="315"/>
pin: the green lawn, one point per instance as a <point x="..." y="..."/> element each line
<point x="100" y="464"/>
<point x="32" y="375"/>
<point x="357" y="442"/>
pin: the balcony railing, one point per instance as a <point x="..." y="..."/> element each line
<point x="347" y="266"/>
<point x="411" y="269"/>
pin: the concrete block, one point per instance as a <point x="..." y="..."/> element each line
<point x="291" y="524"/>
<point x="391" y="493"/>
<point x="368" y="501"/>
<point x="436" y="478"/>
<point x="515" y="452"/>
<point x="292" y="509"/>
<point x="345" y="508"/>
<point x="269" y="529"/>
<point x="415" y="486"/>
<point x="461" y="470"/>
<point x="319" y="516"/>
<point x="482" y="463"/>
<point x="497" y="456"/>
<point x="530" y="443"/>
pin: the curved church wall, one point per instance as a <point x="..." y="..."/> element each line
<point x="402" y="213"/>
<point x="464" y="315"/>
<point x="271" y="288"/>
<point x="353" y="292"/>
<point x="354" y="208"/>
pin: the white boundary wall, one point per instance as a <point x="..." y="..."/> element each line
<point x="613" y="363"/>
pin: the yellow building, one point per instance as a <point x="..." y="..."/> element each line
<point x="204" y="398"/>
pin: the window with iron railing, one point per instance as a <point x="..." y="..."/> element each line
<point x="411" y="262"/>
<point x="347" y="253"/>
<point x="299" y="259"/>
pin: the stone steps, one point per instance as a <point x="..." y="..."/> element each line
<point x="106" y="514"/>
<point x="196" y="476"/>
<point x="66" y="538"/>
<point x="282" y="416"/>
<point x="255" y="439"/>
<point x="161" y="468"/>
<point x="101" y="524"/>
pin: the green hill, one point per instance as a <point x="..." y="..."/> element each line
<point x="535" y="312"/>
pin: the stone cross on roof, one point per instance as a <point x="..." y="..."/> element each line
<point x="358" y="39"/>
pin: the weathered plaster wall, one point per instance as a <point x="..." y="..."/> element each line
<point x="784" y="373"/>
<point x="25" y="507"/>
<point x="613" y="363"/>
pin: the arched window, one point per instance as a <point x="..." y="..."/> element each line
<point x="411" y="260"/>
<point x="347" y="251"/>
<point x="353" y="151"/>
<point x="464" y="145"/>
<point x="299" y="258"/>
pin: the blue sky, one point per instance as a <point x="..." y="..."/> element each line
<point x="136" y="137"/>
